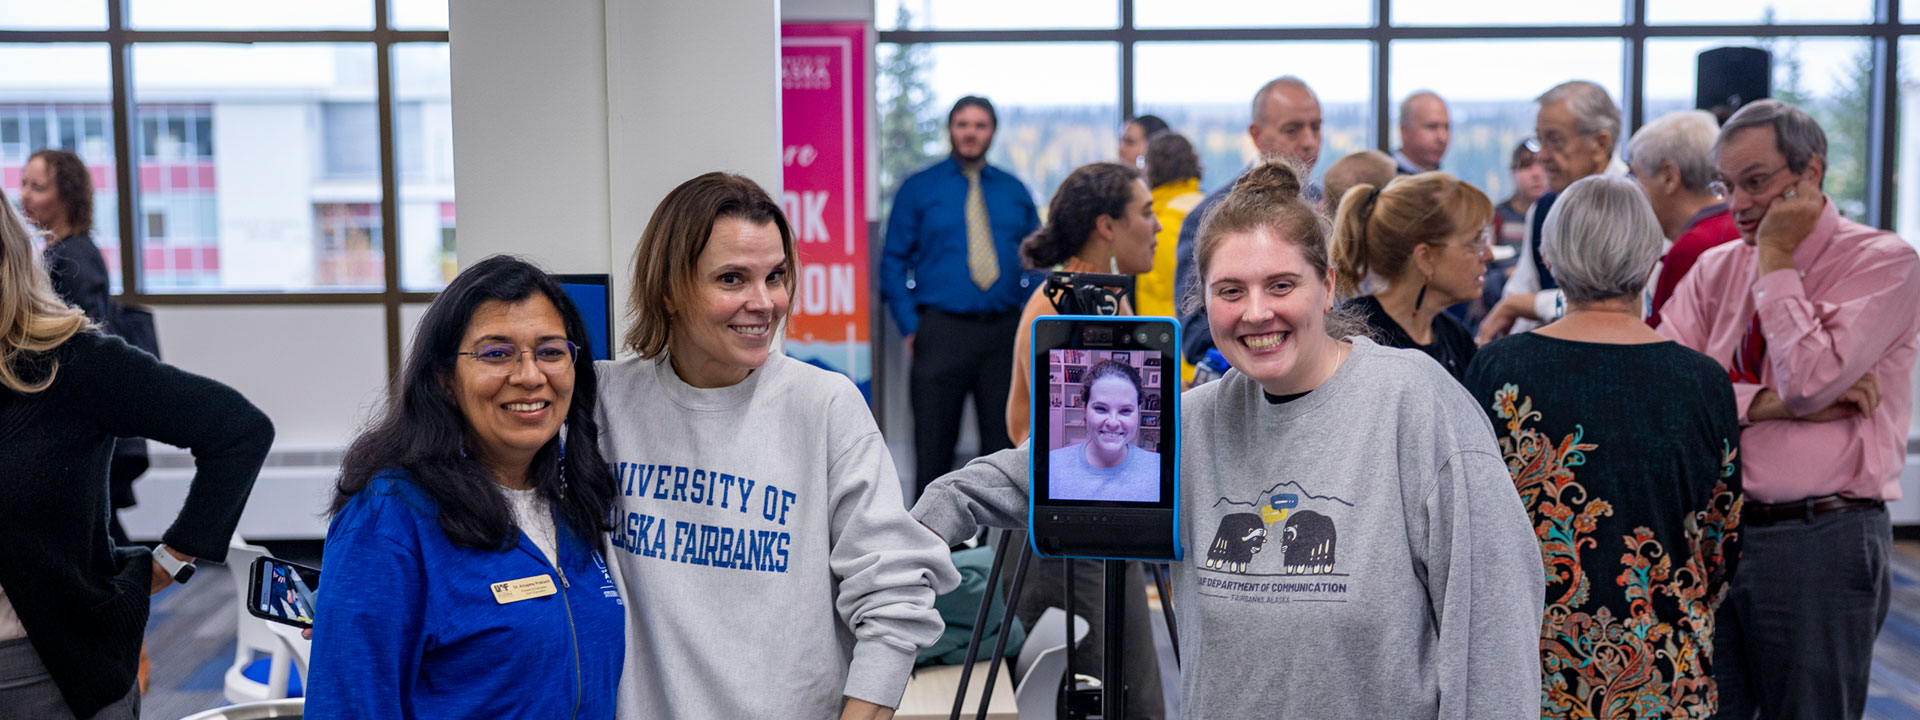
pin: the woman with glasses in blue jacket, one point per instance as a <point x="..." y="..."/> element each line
<point x="463" y="568"/>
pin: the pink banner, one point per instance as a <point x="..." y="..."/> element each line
<point x="823" y="70"/>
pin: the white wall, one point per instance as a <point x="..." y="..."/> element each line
<point x="530" y="130"/>
<point x="318" y="371"/>
<point x="692" y="87"/>
<point x="660" y="92"/>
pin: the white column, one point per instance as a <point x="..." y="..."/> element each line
<point x="573" y="118"/>
<point x="530" y="131"/>
<point x="691" y="87"/>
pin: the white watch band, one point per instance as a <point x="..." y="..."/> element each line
<point x="171" y="564"/>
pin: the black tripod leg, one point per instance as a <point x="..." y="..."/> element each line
<point x="1006" y="623"/>
<point x="980" y="622"/>
<point x="1165" y="584"/>
<point x="1113" y="689"/>
<point x="1070" y="683"/>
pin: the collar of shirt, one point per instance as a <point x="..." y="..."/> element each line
<point x="952" y="163"/>
<point x="1705" y="212"/>
<point x="1406" y="165"/>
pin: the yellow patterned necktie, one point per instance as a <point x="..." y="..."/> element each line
<point x="982" y="263"/>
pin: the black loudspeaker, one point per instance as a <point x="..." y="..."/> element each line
<point x="1730" y="77"/>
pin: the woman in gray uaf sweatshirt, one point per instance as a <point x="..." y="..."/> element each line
<point x="768" y="562"/>
<point x="1356" y="548"/>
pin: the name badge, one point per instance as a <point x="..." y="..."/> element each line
<point x="527" y="588"/>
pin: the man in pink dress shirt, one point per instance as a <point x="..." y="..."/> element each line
<point x="1815" y="318"/>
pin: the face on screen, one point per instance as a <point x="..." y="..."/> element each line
<point x="1104" y="425"/>
<point x="1113" y="416"/>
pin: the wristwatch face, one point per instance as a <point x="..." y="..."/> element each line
<point x="181" y="571"/>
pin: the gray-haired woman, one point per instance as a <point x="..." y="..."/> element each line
<point x="1622" y="445"/>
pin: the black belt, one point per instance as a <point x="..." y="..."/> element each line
<point x="1764" y="514"/>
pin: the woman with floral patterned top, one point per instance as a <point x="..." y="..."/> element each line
<point x="1623" y="446"/>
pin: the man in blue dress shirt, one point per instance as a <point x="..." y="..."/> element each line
<point x="951" y="277"/>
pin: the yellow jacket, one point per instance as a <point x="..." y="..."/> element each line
<point x="1154" y="291"/>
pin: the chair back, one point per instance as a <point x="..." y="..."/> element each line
<point x="1048" y="632"/>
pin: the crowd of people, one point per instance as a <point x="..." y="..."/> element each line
<point x="1618" y="445"/>
<point x="1621" y="323"/>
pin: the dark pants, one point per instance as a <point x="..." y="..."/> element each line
<point x="955" y="355"/>
<point x="27" y="691"/>
<point x="1794" y="638"/>
<point x="1046" y="587"/>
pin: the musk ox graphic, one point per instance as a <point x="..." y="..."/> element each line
<point x="1306" y="544"/>
<point x="1240" y="536"/>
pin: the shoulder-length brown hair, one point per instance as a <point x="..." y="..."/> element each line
<point x="75" y="186"/>
<point x="670" y="247"/>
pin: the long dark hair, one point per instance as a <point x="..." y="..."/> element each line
<point x="1092" y="191"/>
<point x="424" y="432"/>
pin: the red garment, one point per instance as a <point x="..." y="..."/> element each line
<point x="1698" y="238"/>
<point x="1751" y="357"/>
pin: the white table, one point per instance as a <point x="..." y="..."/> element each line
<point x="930" y="693"/>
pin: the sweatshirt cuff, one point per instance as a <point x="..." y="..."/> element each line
<point x="1547" y="306"/>
<point x="879" y="673"/>
<point x="943" y="516"/>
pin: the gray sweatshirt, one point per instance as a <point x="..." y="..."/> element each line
<point x="1359" y="552"/>
<point x="768" y="561"/>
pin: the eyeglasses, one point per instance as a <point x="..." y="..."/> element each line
<point x="1550" y="141"/>
<point x="1481" y="239"/>
<point x="1752" y="185"/>
<point x="551" y="357"/>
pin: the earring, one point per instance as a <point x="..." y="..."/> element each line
<point x="563" y="461"/>
<point x="1420" y="299"/>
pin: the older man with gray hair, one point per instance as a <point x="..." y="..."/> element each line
<point x="1285" y="123"/>
<point x="1671" y="159"/>
<point x="1812" y="316"/>
<point x="1576" y="129"/>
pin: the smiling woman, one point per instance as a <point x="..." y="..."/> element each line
<point x="754" y="480"/>
<point x="465" y="542"/>
<point x="1330" y="453"/>
<point x="1109" y="466"/>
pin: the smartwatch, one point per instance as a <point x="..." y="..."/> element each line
<point x="181" y="570"/>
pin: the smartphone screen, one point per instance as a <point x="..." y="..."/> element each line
<point x="284" y="592"/>
<point x="1104" y="424"/>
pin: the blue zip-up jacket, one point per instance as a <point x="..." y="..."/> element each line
<point x="407" y="626"/>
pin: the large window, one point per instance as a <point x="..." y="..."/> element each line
<point x="1214" y="114"/>
<point x="1047" y="128"/>
<point x="63" y="105"/>
<point x="1197" y="63"/>
<point x="261" y="155"/>
<point x="1831" y="78"/>
<point x="1491" y="118"/>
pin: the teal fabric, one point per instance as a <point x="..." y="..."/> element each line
<point x="959" y="607"/>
